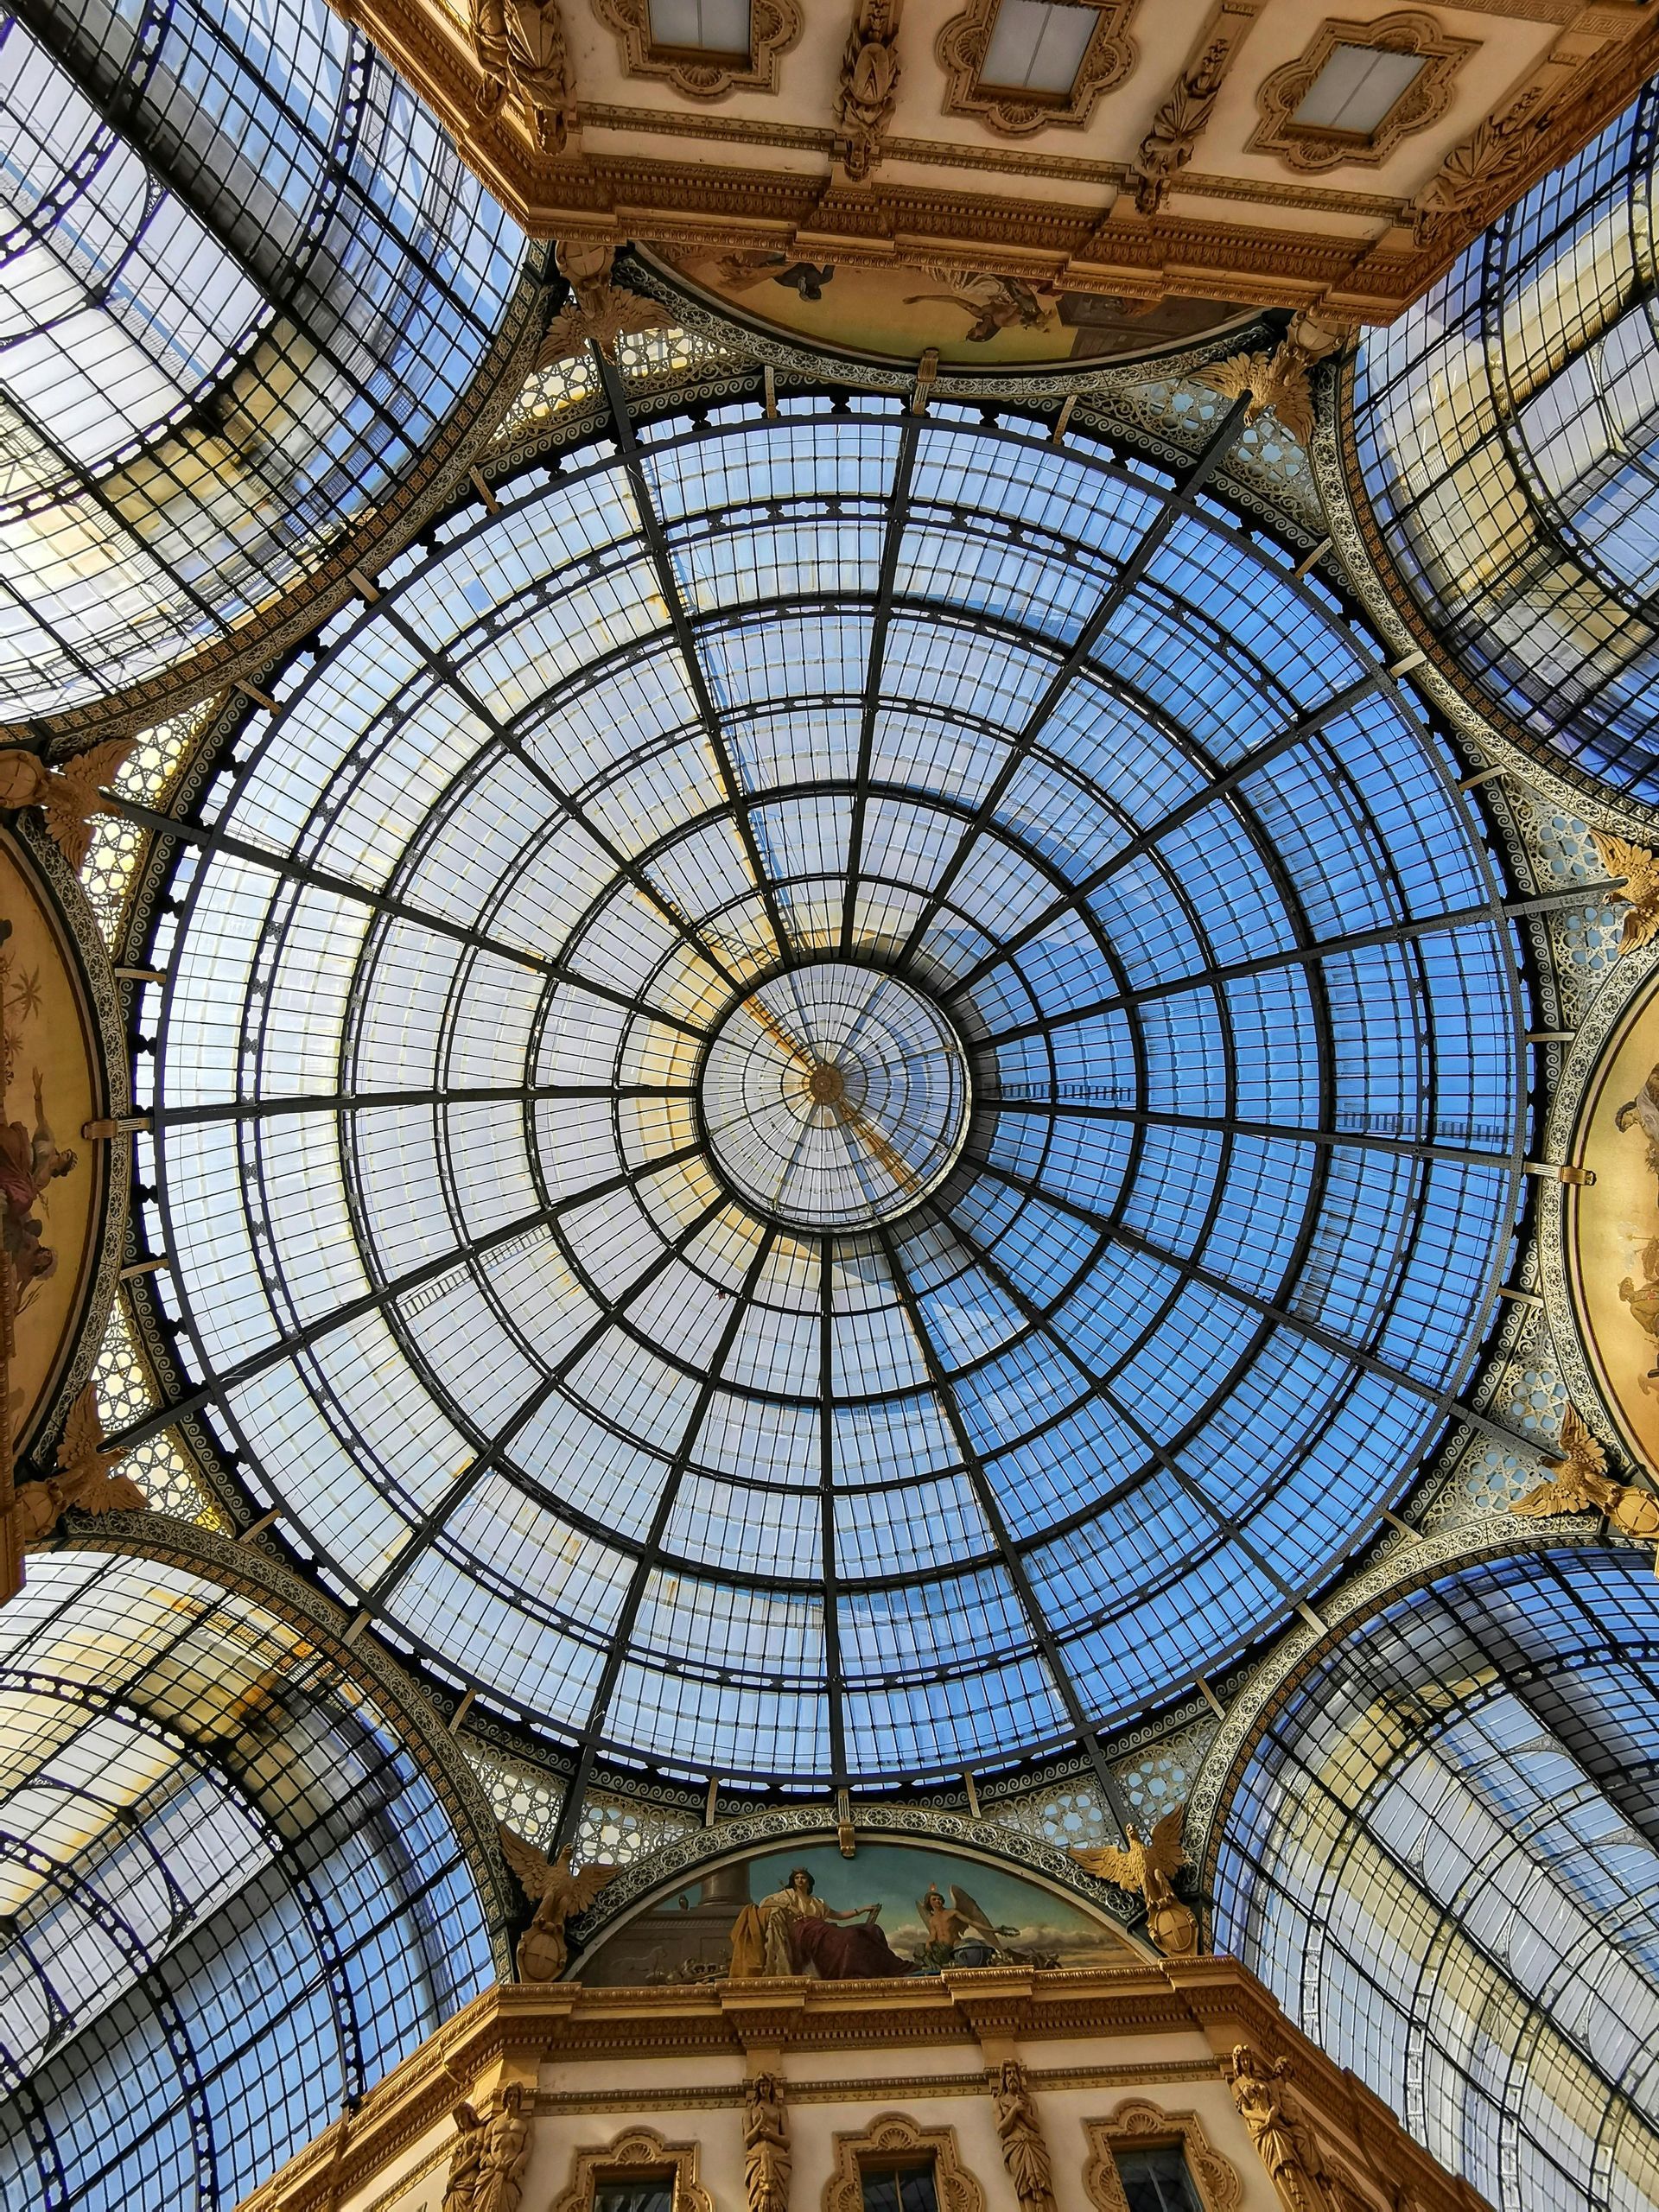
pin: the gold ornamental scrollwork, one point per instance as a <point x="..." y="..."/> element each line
<point x="1306" y="149"/>
<point x="893" y="2136"/>
<point x="637" y="2153"/>
<point x="965" y="39"/>
<point x="775" y="27"/>
<point x="1139" y="2125"/>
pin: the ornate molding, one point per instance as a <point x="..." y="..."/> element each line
<point x="598" y="310"/>
<point x="896" y="2137"/>
<point x="1168" y="145"/>
<point x="636" y="2153"/>
<point x="1139" y="2125"/>
<point x="1305" y="147"/>
<point x="964" y="40"/>
<point x="869" y="86"/>
<point x="775" y="27"/>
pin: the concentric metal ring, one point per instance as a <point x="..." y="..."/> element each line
<point x="835" y="1095"/>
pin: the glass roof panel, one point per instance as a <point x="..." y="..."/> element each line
<point x="231" y="1898"/>
<point x="884" y="1181"/>
<point x="1507" y="434"/>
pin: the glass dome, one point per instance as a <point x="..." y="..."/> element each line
<point x="1506" y="433"/>
<point x="245" y="280"/>
<point x="1443" y="1858"/>
<point x="835" y="1099"/>
<point x="232" y="1898"/>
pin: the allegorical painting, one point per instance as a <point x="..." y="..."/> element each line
<point x="967" y="316"/>
<point x="1613" y="1228"/>
<point x="895" y="1909"/>
<point x="48" y="1189"/>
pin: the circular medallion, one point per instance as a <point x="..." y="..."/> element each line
<point x="835" y="1095"/>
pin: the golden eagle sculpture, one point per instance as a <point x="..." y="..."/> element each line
<point x="558" y="1893"/>
<point x="1145" y="1868"/>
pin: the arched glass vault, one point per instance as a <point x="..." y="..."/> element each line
<point x="836" y="1098"/>
<point x="1443" y="1858"/>
<point x="1506" y="430"/>
<point x="231" y="1897"/>
<point x="245" y="280"/>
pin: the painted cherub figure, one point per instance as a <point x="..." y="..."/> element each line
<point x="29" y="1163"/>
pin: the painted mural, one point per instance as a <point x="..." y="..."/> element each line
<point x="895" y="1909"/>
<point x="971" y="318"/>
<point x="48" y="1183"/>
<point x="1613" y="1229"/>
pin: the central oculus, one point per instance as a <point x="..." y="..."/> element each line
<point x="835" y="1095"/>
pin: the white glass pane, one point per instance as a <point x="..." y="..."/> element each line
<point x="716" y="26"/>
<point x="1037" y="46"/>
<point x="1356" y="89"/>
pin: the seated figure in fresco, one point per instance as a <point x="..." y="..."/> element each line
<point x="795" y="1932"/>
<point x="28" y="1164"/>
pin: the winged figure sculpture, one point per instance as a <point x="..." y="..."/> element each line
<point x="1277" y="380"/>
<point x="559" y="1892"/>
<point x="1639" y="891"/>
<point x="1581" y="1484"/>
<point x="1147" y="1863"/>
<point x="85" y="1479"/>
<point x="66" y="791"/>
<point x="1144" y="1866"/>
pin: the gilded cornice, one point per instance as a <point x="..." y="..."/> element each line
<point x="609" y="194"/>
<point x="508" y="2032"/>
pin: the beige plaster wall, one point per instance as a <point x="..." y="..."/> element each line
<point x="697" y="2099"/>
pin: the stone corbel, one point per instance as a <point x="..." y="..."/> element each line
<point x="1484" y="172"/>
<point x="1167" y="147"/>
<point x="869" y="86"/>
<point x="521" y="44"/>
